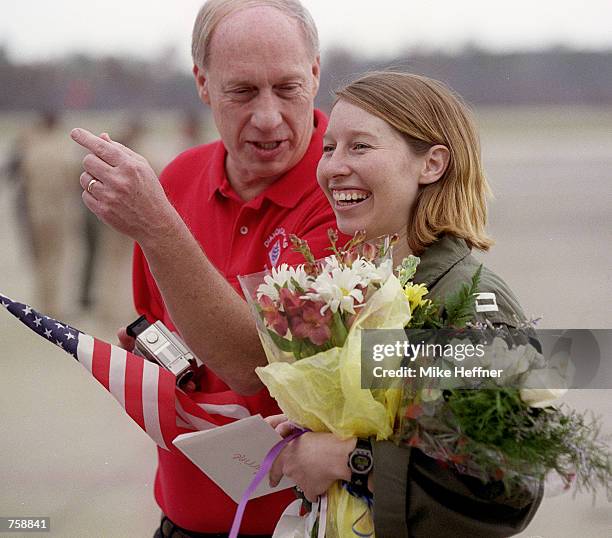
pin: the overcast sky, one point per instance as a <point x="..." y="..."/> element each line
<point x="38" y="29"/>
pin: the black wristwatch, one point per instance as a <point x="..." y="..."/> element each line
<point x="361" y="463"/>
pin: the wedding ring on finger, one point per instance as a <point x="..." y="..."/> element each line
<point x="91" y="183"/>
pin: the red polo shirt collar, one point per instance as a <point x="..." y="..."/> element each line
<point x="289" y="189"/>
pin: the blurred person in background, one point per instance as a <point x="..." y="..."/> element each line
<point x="47" y="167"/>
<point x="190" y="128"/>
<point x="256" y="64"/>
<point x="12" y="172"/>
<point x="91" y="235"/>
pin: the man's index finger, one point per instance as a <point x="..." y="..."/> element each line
<point x="103" y="149"/>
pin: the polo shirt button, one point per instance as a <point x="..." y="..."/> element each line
<point x="244" y="230"/>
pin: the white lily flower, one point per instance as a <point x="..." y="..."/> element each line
<point x="330" y="262"/>
<point x="372" y="274"/>
<point x="338" y="289"/>
<point x="512" y="362"/>
<point x="283" y="276"/>
<point x="535" y="392"/>
<point x="541" y="397"/>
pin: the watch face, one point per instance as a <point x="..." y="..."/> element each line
<point x="361" y="461"/>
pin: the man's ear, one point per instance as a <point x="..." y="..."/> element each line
<point x="435" y="163"/>
<point x="201" y="84"/>
<point x="316" y="73"/>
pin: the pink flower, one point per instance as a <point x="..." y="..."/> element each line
<point x="308" y="322"/>
<point x="290" y="301"/>
<point x="348" y="257"/>
<point x="369" y="252"/>
<point x="274" y="318"/>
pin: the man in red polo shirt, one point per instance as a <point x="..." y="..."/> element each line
<point x="234" y="204"/>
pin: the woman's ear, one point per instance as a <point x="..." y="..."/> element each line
<point x="435" y="162"/>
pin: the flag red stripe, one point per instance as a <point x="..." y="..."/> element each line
<point x="133" y="388"/>
<point x="100" y="365"/>
<point x="167" y="412"/>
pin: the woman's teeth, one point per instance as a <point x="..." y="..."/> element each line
<point x="349" y="196"/>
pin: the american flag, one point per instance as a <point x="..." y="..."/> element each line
<point x="147" y="392"/>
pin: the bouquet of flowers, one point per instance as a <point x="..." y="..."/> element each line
<point x="310" y="320"/>
<point x="504" y="431"/>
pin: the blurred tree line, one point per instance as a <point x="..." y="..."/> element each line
<point x="555" y="76"/>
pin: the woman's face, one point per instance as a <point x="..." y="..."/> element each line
<point x="368" y="172"/>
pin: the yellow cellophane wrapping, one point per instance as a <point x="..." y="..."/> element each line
<point x="323" y="393"/>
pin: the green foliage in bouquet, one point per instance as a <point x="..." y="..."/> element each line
<point x="491" y="432"/>
<point x="454" y="311"/>
<point x="460" y="307"/>
<point x="505" y="439"/>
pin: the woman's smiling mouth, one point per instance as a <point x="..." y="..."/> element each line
<point x="349" y="197"/>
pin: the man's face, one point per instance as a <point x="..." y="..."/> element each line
<point x="260" y="83"/>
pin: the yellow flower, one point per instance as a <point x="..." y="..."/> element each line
<point x="415" y="293"/>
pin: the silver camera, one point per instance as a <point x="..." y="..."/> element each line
<point x="156" y="343"/>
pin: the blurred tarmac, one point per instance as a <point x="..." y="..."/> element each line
<point x="69" y="451"/>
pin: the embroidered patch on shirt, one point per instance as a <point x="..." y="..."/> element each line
<point x="486" y="302"/>
<point x="274" y="253"/>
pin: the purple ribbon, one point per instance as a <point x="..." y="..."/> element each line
<point x="266" y="465"/>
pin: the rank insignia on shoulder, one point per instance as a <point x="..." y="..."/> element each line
<point x="486" y="302"/>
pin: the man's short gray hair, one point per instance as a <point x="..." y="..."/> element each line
<point x="214" y="11"/>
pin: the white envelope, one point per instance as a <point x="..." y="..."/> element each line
<point x="231" y="455"/>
